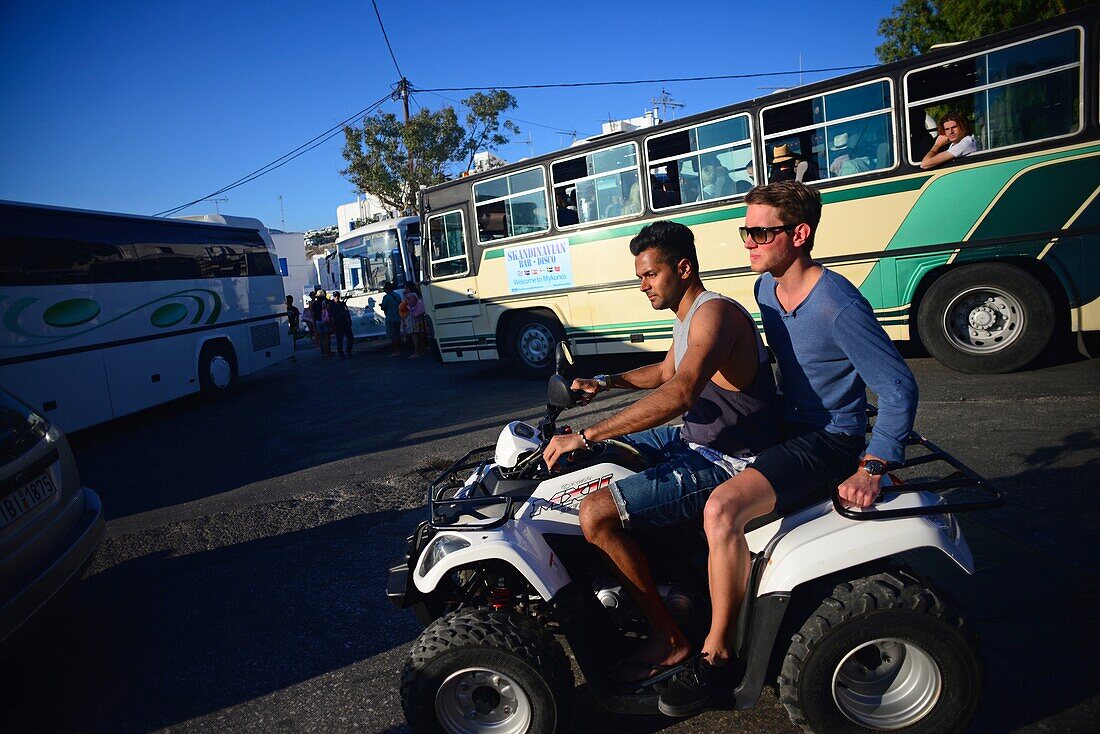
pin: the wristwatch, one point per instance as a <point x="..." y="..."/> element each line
<point x="603" y="381"/>
<point x="874" y="467"/>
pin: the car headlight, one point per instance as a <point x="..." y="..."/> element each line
<point x="439" y="548"/>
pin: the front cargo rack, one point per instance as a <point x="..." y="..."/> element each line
<point x="977" y="493"/>
<point x="484" y="512"/>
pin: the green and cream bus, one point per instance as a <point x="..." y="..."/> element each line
<point x="983" y="258"/>
<point x="107" y="314"/>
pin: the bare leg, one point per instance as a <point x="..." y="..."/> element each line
<point x="733" y="503"/>
<point x="602" y="527"/>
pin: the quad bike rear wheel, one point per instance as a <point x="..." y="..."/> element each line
<point x="481" y="670"/>
<point x="882" y="653"/>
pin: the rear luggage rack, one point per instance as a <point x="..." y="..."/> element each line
<point x="445" y="513"/>
<point x="980" y="494"/>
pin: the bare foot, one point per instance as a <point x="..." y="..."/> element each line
<point x="652" y="658"/>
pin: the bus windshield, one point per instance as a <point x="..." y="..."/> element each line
<point x="379" y="257"/>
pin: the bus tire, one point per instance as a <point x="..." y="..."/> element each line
<point x="532" y="337"/>
<point x="986" y="318"/>
<point x="217" y="368"/>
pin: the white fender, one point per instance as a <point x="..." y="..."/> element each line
<point x="552" y="508"/>
<point x="523" y="549"/>
<point x="818" y="541"/>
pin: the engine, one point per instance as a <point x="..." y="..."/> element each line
<point x="678" y="599"/>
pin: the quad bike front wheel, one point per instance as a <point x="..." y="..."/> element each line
<point x="482" y="670"/>
<point x="882" y="653"/>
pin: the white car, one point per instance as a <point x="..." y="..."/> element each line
<point x="49" y="524"/>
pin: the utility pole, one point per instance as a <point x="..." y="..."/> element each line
<point x="403" y="93"/>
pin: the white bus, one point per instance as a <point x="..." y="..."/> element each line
<point x="372" y="255"/>
<point x="106" y="314"/>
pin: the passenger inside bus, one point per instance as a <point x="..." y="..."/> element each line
<point x="845" y="159"/>
<point x="746" y="180"/>
<point x="634" y="203"/>
<point x="953" y="141"/>
<point x="566" y="216"/>
<point x="787" y="166"/>
<point x="715" y="179"/>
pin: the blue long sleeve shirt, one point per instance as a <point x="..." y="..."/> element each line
<point x="830" y="348"/>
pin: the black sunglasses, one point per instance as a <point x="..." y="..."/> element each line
<point x="764" y="235"/>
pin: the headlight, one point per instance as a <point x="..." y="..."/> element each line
<point x="440" y="547"/>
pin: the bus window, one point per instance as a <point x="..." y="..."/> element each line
<point x="604" y="184"/>
<point x="1013" y="95"/>
<point x="843" y="133"/>
<point x="447" y="243"/>
<point x="45" y="248"/>
<point x="711" y="161"/>
<point x="511" y="206"/>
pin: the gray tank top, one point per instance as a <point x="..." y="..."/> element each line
<point x="735" y="422"/>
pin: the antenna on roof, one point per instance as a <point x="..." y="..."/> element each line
<point x="664" y="102"/>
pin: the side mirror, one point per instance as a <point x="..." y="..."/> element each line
<point x="563" y="357"/>
<point x="558" y="393"/>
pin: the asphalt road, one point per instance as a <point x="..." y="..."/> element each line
<point x="241" y="585"/>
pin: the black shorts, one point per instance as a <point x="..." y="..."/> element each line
<point x="811" y="461"/>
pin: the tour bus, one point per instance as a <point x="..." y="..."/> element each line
<point x="983" y="259"/>
<point x="107" y="314"/>
<point x="372" y="255"/>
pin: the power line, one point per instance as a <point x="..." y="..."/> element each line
<point x="383" y="27"/>
<point x="507" y="117"/>
<point x="567" y="85"/>
<point x="281" y="160"/>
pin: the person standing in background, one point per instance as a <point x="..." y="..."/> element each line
<point x="341" y="323"/>
<point x="391" y="307"/>
<point x="293" y="318"/>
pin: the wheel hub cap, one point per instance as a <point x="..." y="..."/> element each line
<point x="478" y="700"/>
<point x="535" y="344"/>
<point x="887" y="684"/>
<point x="220" y="372"/>
<point x="983" y="320"/>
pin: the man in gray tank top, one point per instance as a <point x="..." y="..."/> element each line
<point x="718" y="378"/>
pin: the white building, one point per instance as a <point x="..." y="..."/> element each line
<point x="326" y="271"/>
<point x="298" y="273"/>
<point x="649" y="119"/>
<point x="486" y="161"/>
<point x="365" y="209"/>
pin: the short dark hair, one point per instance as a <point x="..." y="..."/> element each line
<point x="672" y="240"/>
<point x="796" y="203"/>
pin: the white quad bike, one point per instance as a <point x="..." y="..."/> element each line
<point x="855" y="641"/>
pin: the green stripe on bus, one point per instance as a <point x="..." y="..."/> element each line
<point x="1042" y="200"/>
<point x="953" y="203"/>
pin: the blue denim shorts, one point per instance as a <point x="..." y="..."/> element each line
<point x="672" y="492"/>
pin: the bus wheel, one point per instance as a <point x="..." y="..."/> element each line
<point x="531" y="342"/>
<point x="217" y="368"/>
<point x="986" y="318"/>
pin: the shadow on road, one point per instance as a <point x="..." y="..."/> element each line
<point x="161" y="639"/>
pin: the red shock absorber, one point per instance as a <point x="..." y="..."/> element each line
<point x="500" y="597"/>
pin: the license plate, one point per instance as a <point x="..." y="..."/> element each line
<point x="25" y="499"/>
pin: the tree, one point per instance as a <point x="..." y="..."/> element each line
<point x="916" y="25"/>
<point x="392" y="159"/>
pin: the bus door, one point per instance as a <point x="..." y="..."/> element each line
<point x="451" y="289"/>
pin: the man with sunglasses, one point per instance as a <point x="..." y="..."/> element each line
<point x="829" y="348"/>
<point x="718" y="378"/>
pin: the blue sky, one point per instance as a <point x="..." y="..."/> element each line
<point x="138" y="107"/>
